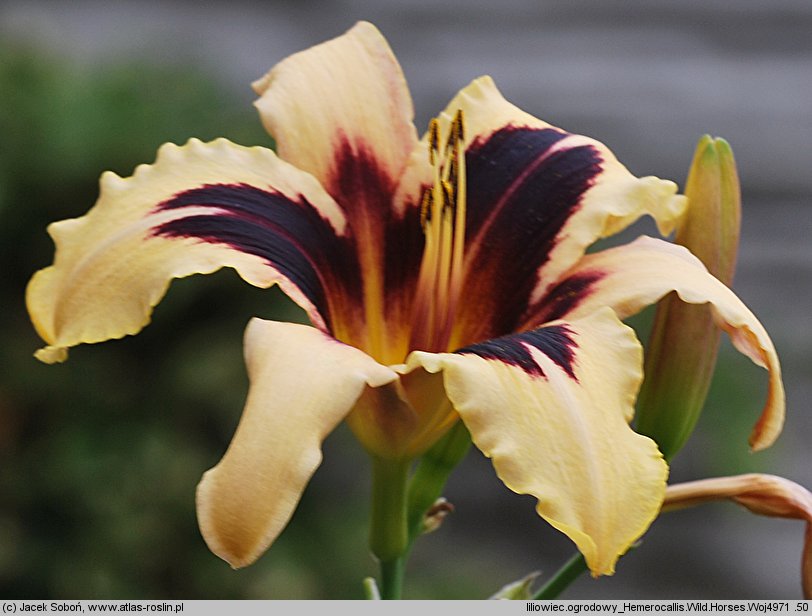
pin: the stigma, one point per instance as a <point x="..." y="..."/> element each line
<point x="442" y="216"/>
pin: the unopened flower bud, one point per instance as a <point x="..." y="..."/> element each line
<point x="681" y="352"/>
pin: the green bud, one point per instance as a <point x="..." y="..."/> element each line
<point x="681" y="352"/>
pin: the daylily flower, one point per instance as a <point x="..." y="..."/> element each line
<point x="762" y="494"/>
<point x="446" y="279"/>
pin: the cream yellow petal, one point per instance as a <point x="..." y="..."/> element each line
<point x="303" y="383"/>
<point x="199" y="207"/>
<point x="629" y="278"/>
<point x="551" y="408"/>
<point x="339" y="101"/>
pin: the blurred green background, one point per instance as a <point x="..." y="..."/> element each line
<point x="99" y="456"/>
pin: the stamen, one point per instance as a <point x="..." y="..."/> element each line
<point x="442" y="216"/>
<point x="458" y="257"/>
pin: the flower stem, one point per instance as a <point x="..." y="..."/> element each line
<point x="565" y="576"/>
<point x="392" y="578"/>
<point x="399" y="505"/>
<point x="388" y="535"/>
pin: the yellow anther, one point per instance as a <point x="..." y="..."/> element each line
<point x="448" y="195"/>
<point x="434" y="141"/>
<point x="425" y="208"/>
<point x="452" y="168"/>
<point x="457" y="133"/>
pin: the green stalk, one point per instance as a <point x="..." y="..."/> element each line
<point x="565" y="576"/>
<point x="388" y="534"/>
<point x="392" y="578"/>
<point x="399" y="504"/>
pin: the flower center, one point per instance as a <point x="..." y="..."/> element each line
<point x="442" y="217"/>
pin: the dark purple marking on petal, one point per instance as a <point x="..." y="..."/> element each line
<point x="365" y="190"/>
<point x="404" y="242"/>
<point x="555" y="341"/>
<point x="358" y="182"/>
<point x="290" y="234"/>
<point x="564" y="297"/>
<point x="494" y="164"/>
<point x="521" y="193"/>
